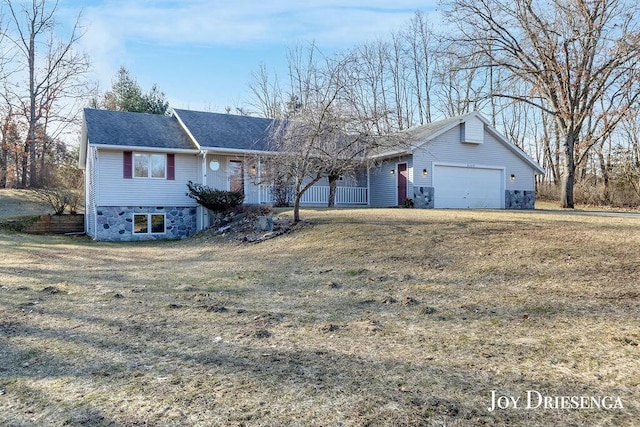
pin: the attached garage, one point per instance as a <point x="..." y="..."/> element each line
<point x="457" y="186"/>
<point x="462" y="163"/>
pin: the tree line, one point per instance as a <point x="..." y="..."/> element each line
<point x="559" y="78"/>
<point x="45" y="85"/>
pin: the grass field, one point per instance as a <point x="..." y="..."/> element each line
<point x="16" y="203"/>
<point x="363" y="317"/>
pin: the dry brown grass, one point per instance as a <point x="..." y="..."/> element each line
<point x="364" y="317"/>
<point x="15" y="203"/>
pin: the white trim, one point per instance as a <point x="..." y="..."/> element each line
<point x="502" y="169"/>
<point x="221" y="150"/>
<point x="146" y="149"/>
<point x="149" y="223"/>
<point x="96" y="195"/>
<point x="203" y="214"/>
<point x="186" y="129"/>
<point x="397" y="174"/>
<point x="149" y="169"/>
<point x="241" y="161"/>
<point x="84" y="145"/>
<point x="368" y="187"/>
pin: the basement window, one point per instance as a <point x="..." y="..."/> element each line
<point x="149" y="224"/>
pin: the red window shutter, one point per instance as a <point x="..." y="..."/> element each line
<point x="127" y="164"/>
<point x="171" y="166"/>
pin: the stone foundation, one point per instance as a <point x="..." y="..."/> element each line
<point x="423" y="197"/>
<point x="115" y="223"/>
<point x="519" y="199"/>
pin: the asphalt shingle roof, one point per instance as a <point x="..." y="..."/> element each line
<point x="106" y="127"/>
<point x="215" y="130"/>
<point x="422" y="133"/>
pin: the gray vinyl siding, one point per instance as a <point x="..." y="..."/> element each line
<point x="384" y="186"/>
<point x="359" y="179"/>
<point x="447" y="148"/>
<point x="220" y="179"/>
<point x="114" y="190"/>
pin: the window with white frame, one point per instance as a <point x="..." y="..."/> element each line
<point x="149" y="223"/>
<point x="147" y="165"/>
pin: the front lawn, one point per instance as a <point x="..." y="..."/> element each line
<point x="364" y="317"/>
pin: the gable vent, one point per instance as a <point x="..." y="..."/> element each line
<point x="472" y="131"/>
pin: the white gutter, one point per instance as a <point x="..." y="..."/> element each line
<point x="147" y="149"/>
<point x="204" y="217"/>
<point x="237" y="151"/>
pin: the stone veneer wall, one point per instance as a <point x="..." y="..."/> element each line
<point x="519" y="199"/>
<point x="423" y="197"/>
<point x="115" y="223"/>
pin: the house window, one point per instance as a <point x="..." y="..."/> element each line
<point x="147" y="165"/>
<point x="148" y="224"/>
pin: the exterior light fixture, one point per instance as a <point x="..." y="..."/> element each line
<point x="392" y="171"/>
<point x="512" y="177"/>
<point x="424" y="172"/>
<point x="253" y="171"/>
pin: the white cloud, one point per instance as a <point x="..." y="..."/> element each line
<point x="115" y="26"/>
<point x="247" y="21"/>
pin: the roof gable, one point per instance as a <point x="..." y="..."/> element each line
<point x="121" y="128"/>
<point x="227" y="131"/>
<point x="419" y="136"/>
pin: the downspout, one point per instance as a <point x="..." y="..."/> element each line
<point x="259" y="180"/>
<point x="204" y="217"/>
<point x="96" y="191"/>
<point x="368" y="186"/>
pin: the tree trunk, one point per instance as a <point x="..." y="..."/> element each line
<point x="24" y="183"/>
<point x="33" y="160"/>
<point x="4" y="167"/>
<point x="568" y="176"/>
<point x="333" y="186"/>
<point x="296" y="209"/>
<point x="31" y="134"/>
<point x="296" y="203"/>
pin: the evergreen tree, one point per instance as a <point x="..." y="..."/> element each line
<point x="127" y="95"/>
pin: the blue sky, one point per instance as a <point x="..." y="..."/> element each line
<point x="202" y="53"/>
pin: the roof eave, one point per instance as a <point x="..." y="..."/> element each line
<point x="84" y="142"/>
<point x="236" y="151"/>
<point x="146" y="148"/>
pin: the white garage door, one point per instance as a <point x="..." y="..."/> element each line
<point x="463" y="187"/>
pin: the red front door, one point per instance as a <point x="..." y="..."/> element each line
<point x="403" y="176"/>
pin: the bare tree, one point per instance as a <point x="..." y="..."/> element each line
<point x="573" y="53"/>
<point x="420" y="49"/>
<point x="325" y="135"/>
<point x="267" y="94"/>
<point x="55" y="72"/>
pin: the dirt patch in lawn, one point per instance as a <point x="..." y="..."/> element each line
<point x="365" y="317"/>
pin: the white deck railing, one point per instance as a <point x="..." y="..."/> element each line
<point x="319" y="195"/>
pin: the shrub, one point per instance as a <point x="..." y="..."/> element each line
<point x="64" y="189"/>
<point x="60" y="199"/>
<point x="216" y="200"/>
